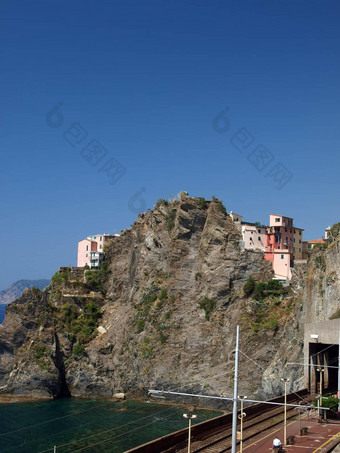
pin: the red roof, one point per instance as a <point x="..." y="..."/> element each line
<point x="315" y="241"/>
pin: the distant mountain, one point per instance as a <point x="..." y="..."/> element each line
<point x="14" y="291"/>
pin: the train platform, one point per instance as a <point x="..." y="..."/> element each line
<point x="320" y="437"/>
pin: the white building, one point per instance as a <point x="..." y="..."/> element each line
<point x="254" y="237"/>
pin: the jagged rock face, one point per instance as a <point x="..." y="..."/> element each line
<point x="317" y="298"/>
<point x="174" y="295"/>
<point x="23" y="370"/>
<point x="14" y="291"/>
<point x="322" y="291"/>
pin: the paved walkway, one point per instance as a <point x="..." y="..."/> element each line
<point x="320" y="437"/>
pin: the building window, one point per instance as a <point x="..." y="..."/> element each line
<point x="294" y="231"/>
<point x="286" y="230"/>
<point x="101" y="238"/>
<point x="299" y="241"/>
<point x="100" y="246"/>
<point x="277" y="219"/>
<point x="87" y="255"/>
<point x="259" y="238"/>
<point x="87" y="248"/>
<point x="95" y="237"/>
<point x="282" y="257"/>
<point x="300" y="233"/>
<point x="294" y="239"/>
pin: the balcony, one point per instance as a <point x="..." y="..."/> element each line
<point x="96" y="256"/>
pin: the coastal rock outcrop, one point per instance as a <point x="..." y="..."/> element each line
<point x="160" y="314"/>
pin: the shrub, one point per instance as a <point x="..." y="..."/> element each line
<point x="78" y="350"/>
<point x="60" y="277"/>
<point x="208" y="306"/>
<point x="259" y="289"/>
<point x="249" y="286"/>
<point x="161" y="201"/>
<point x="140" y="325"/>
<point x="163" y="294"/>
<point x="274" y="285"/>
<point x="149" y="294"/>
<point x="332" y="403"/>
<point x="198" y="276"/>
<point x="40" y="351"/>
<point x="221" y="207"/>
<point x="81" y="327"/>
<point x="170" y="219"/>
<point x="320" y="262"/>
<point x="271" y="324"/>
<point x="201" y="202"/>
<point x="96" y="279"/>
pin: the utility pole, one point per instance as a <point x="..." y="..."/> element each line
<point x="234" y="426"/>
<point x="339" y="374"/>
<point x="241" y="417"/>
<point x="285" y="380"/>
<point x="321" y="370"/>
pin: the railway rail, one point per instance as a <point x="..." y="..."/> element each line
<point x="214" y="435"/>
<point x="256" y="423"/>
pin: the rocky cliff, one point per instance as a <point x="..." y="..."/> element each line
<point x="321" y="298"/>
<point x="162" y="313"/>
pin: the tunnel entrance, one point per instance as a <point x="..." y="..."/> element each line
<point x="322" y="377"/>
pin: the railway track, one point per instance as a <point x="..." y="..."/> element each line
<point x="214" y="435"/>
<point x="258" y="421"/>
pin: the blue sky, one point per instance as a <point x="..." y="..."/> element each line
<point x="146" y="80"/>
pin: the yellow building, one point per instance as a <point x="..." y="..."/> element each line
<point x="297" y="243"/>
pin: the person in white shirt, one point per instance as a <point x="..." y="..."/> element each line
<point x="277" y="443"/>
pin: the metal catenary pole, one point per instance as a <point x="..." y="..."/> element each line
<point x="234" y="426"/>
<point x="339" y="374"/>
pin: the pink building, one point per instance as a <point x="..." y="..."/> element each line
<point x="91" y="250"/>
<point x="281" y="264"/>
<point x="281" y="242"/>
<point x="283" y="245"/>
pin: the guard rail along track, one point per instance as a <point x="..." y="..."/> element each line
<point x="215" y="434"/>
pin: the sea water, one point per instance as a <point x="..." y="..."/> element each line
<point x="89" y="426"/>
<point x="2" y="312"/>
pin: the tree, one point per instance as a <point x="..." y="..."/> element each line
<point x="249" y="286"/>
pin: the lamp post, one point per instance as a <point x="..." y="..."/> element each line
<point x="241" y="417"/>
<point x="189" y="417"/>
<point x="285" y="380"/>
<point x="321" y="370"/>
<point x="299" y="409"/>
